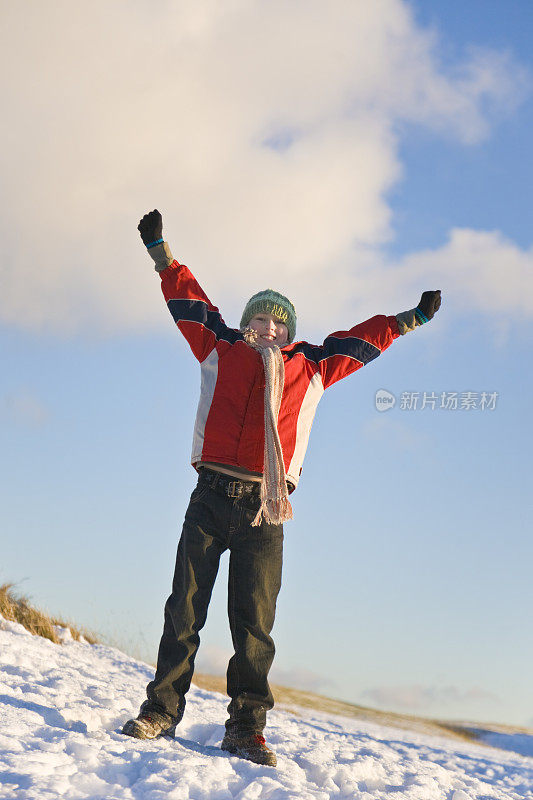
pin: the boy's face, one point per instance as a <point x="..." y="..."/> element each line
<point x="270" y="329"/>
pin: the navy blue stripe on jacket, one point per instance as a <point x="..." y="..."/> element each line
<point x="349" y="346"/>
<point x="198" y="311"/>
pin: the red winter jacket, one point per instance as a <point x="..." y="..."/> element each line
<point x="229" y="426"/>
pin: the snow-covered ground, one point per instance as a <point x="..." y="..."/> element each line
<point x="62" y="707"/>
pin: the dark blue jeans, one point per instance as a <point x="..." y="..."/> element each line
<point x="214" y="523"/>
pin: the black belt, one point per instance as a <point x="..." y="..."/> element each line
<point x="230" y="486"/>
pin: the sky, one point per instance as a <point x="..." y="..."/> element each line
<point x="350" y="156"/>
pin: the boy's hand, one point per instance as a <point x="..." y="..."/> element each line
<point x="429" y="304"/>
<point x="151" y="227"/>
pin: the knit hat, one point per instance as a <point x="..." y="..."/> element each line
<point x="271" y="302"/>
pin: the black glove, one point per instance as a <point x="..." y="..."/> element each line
<point x="429" y="305"/>
<point x="151" y="227"/>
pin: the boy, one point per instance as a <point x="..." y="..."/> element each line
<point x="259" y="394"/>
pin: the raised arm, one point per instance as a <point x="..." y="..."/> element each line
<point x="345" y="352"/>
<point x="196" y="317"/>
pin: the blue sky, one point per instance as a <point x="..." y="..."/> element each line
<point x="488" y="186"/>
<point x="406" y="575"/>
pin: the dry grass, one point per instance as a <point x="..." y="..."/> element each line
<point x="295" y="701"/>
<point x="17" y="608"/>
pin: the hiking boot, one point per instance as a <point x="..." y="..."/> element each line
<point x="251" y="746"/>
<point x="150" y="724"/>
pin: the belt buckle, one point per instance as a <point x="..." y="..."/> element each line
<point x="235" y="489"/>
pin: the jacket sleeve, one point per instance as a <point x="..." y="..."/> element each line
<point x="196" y="317"/>
<point x="345" y="352"/>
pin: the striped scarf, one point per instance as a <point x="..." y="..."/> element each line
<point x="275" y="504"/>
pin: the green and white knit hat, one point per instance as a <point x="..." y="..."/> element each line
<point x="271" y="302"/>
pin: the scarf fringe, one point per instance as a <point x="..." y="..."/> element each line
<point x="274" y="511"/>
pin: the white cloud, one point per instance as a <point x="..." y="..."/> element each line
<point x="213" y="660"/>
<point x="265" y="132"/>
<point x="23" y="408"/>
<point x="394" y="433"/>
<point x="301" y="679"/>
<point x="418" y="697"/>
<point x="479" y="270"/>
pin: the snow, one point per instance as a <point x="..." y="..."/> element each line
<point x="62" y="708"/>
